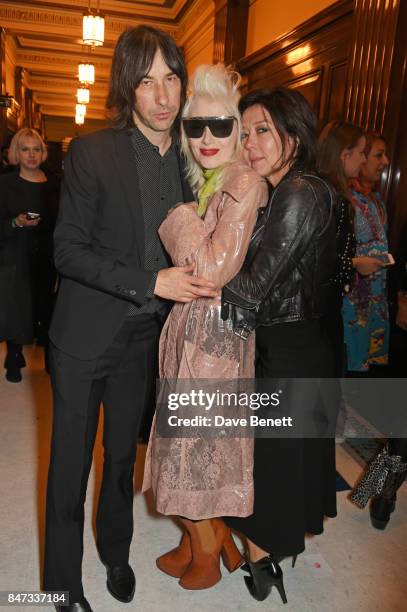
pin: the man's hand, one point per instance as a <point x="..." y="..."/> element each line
<point x="366" y="266"/>
<point x="179" y="285"/>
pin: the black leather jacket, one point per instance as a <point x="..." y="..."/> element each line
<point x="287" y="274"/>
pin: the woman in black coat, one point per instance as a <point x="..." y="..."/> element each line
<point x="28" y="207"/>
<point x="284" y="290"/>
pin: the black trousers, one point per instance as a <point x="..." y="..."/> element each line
<point x="123" y="379"/>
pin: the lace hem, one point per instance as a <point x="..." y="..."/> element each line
<point x="199" y="505"/>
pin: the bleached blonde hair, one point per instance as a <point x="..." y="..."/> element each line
<point x="219" y="84"/>
<point x="14" y="149"/>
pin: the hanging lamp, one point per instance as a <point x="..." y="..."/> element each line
<point x="81" y="109"/>
<point x="83" y="95"/>
<point x="93" y="27"/>
<point x="86" y="73"/>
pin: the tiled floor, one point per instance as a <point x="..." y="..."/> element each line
<point x="360" y="569"/>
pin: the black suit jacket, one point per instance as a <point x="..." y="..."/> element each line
<point x="99" y="243"/>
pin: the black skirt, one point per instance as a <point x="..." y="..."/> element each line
<point x="294" y="479"/>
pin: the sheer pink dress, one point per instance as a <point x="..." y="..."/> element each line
<point x="202" y="477"/>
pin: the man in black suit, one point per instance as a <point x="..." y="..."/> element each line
<point x="116" y="280"/>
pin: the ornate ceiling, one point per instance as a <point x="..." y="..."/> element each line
<point x="46" y="40"/>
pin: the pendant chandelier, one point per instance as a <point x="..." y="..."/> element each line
<point x="86" y="73"/>
<point x="82" y="95"/>
<point x="81" y="109"/>
<point x="93" y="27"/>
<point x="79" y="119"/>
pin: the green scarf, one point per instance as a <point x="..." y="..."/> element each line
<point x="207" y="189"/>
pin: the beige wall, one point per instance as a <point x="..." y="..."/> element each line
<point x="200" y="51"/>
<point x="269" y="19"/>
<point x="196" y="34"/>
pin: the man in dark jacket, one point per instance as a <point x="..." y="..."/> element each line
<point x="116" y="280"/>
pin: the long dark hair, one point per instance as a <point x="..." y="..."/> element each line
<point x="292" y="116"/>
<point x="132" y="59"/>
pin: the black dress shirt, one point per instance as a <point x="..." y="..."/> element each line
<point x="160" y="189"/>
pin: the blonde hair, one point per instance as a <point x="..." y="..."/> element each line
<point x="13" y="152"/>
<point x="219" y="84"/>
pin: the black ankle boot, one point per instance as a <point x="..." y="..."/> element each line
<point x="384" y="475"/>
<point x="265" y="574"/>
<point x="384" y="504"/>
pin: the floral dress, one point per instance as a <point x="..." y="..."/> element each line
<point x="365" y="308"/>
<point x="203" y="477"/>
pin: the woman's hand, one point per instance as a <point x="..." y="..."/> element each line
<point x="367" y="266"/>
<point x="23" y="221"/>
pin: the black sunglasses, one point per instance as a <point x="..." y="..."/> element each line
<point x="220" y="127"/>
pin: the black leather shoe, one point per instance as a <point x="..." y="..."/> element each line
<point x="13" y="375"/>
<point x="380" y="510"/>
<point x="384" y="504"/>
<point x="121" y="582"/>
<point x="79" y="606"/>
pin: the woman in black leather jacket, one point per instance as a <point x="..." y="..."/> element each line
<point x="283" y="291"/>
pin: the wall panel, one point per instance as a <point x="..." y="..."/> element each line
<point x="350" y="62"/>
<point x="374" y="31"/>
<point x="395" y="131"/>
<point x="336" y="91"/>
<point x="270" y="19"/>
<point x="230" y="30"/>
<point x="3" y="111"/>
<point x="312" y="58"/>
<point x="11" y="63"/>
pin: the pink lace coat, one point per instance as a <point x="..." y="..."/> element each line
<point x="196" y="477"/>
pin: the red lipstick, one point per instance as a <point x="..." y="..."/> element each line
<point x="209" y="152"/>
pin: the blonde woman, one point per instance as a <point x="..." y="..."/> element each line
<point x="28" y="205"/>
<point x="201" y="479"/>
